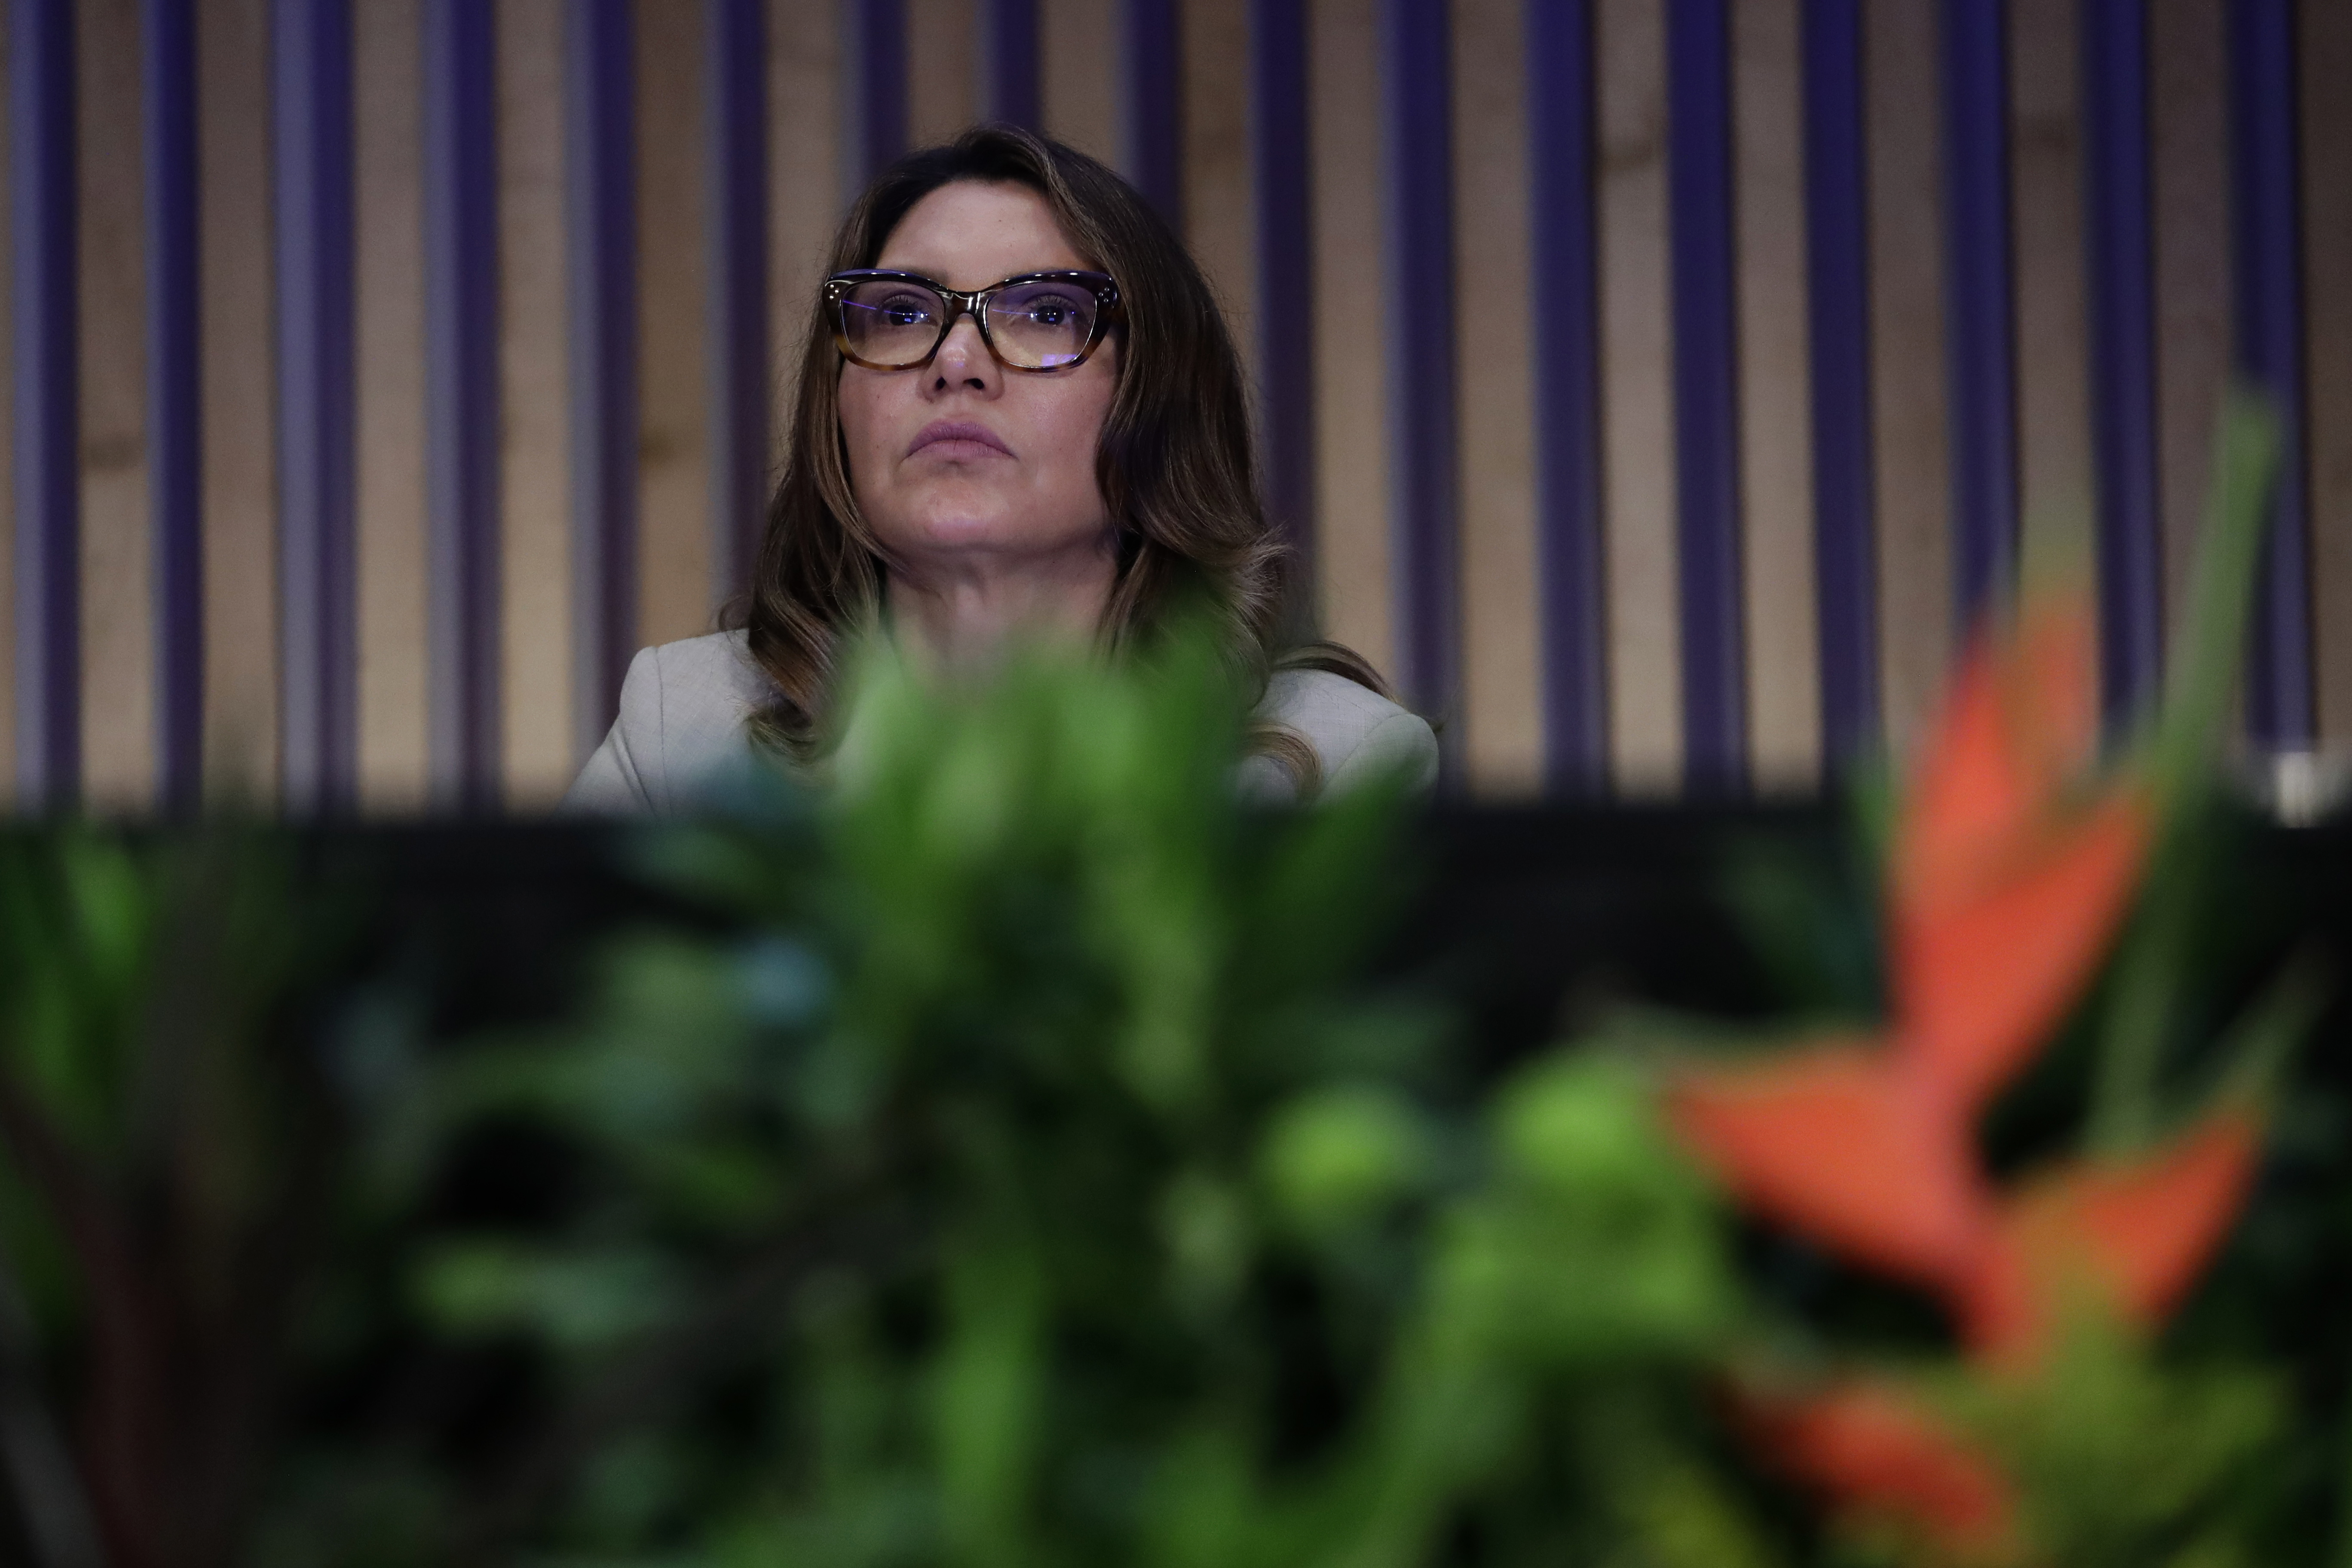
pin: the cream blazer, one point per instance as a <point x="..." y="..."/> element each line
<point x="681" y="731"/>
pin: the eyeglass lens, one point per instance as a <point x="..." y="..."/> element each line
<point x="1038" y="325"/>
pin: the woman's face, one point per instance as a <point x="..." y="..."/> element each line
<point x="960" y="457"/>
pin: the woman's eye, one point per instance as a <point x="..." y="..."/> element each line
<point x="907" y="310"/>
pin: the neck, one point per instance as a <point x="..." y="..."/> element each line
<point x="955" y="618"/>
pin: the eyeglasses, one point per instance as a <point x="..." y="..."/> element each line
<point x="1036" y="322"/>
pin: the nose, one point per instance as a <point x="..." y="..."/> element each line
<point x="963" y="360"/>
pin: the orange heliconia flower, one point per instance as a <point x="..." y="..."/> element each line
<point x="1837" y="1143"/>
<point x="2133" y="1234"/>
<point x="2006" y="886"/>
<point x="1868" y="1445"/>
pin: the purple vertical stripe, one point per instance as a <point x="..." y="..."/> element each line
<point x="876" y="33"/>
<point x="1706" y="406"/>
<point x="48" y="421"/>
<point x="2266" y="168"/>
<point x="1286" y="276"/>
<point x="1565" y="314"/>
<point x="601" y="218"/>
<point x="738" y="288"/>
<point x="1011" y="93"/>
<point x="461" y="405"/>
<point x="176" y="478"/>
<point x="1152" y="46"/>
<point x="1979" y="320"/>
<point x="318" y="670"/>
<point x="1418" y="153"/>
<point x="2121" y="289"/>
<point x="1845" y="567"/>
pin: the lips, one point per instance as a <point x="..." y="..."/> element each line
<point x="959" y="438"/>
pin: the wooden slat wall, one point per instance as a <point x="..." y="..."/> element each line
<point x="117" y="669"/>
<point x="386" y="82"/>
<point x="1084" y="60"/>
<point x="1775" y="393"/>
<point x="1502" y="713"/>
<point x="2327" y="263"/>
<point x="1352" y="465"/>
<point x="1907" y="367"/>
<point x="1646" y="726"/>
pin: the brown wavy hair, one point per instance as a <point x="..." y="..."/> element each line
<point x="1174" y="463"/>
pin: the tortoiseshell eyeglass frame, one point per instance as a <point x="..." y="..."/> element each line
<point x="1109" y="310"/>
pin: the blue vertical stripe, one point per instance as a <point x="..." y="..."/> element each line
<point x="1011" y="93"/>
<point x="1837" y="218"/>
<point x="876" y="33"/>
<point x="319" y="658"/>
<point x="2268" y="219"/>
<point x="1565" y="312"/>
<point x="47" y="390"/>
<point x="174" y="429"/>
<point x="1418" y="153"/>
<point x="602" y="220"/>
<point x="1707" y="394"/>
<point x="1153" y="49"/>
<point x="1980" y="316"/>
<point x="1285" y="274"/>
<point x="461" y="407"/>
<point x="738" y="301"/>
<point x="2121" y="289"/>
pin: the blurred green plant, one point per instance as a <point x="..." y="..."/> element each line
<point x="1003" y="1161"/>
<point x="1046" y="1188"/>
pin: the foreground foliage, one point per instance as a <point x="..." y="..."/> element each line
<point x="1008" y="1163"/>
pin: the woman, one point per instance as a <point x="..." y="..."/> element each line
<point x="1019" y="412"/>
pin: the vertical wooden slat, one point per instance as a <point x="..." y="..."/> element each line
<point x="804" y="123"/>
<point x="2326" y="58"/>
<point x="2121" y="292"/>
<point x="392" y="522"/>
<point x="2055" y="525"/>
<point x="1564" y="312"/>
<point x="1981" y="313"/>
<point x="1706" y="408"/>
<point x="1775" y="545"/>
<point x="1914" y="487"/>
<point x="175" y="408"/>
<point x="2190" y="131"/>
<point x="535" y="392"/>
<point x="1837" y="307"/>
<point x="1152" y="129"/>
<point x="8" y="431"/>
<point x="875" y="32"/>
<point x="737" y="311"/>
<point x="118" y="658"/>
<point x="2269" y="275"/>
<point x="47" y="564"/>
<point x="461" y="266"/>
<point x="240" y="437"/>
<point x="311" y="103"/>
<point x="1502" y="728"/>
<point x="1417" y="149"/>
<point x="601" y="218"/>
<point x="1220" y="214"/>
<point x="1081" y="64"/>
<point x="1283" y="286"/>
<point x="943" y="81"/>
<point x="674" y="372"/>
<point x="1352" y="459"/>
<point x="1645" y="684"/>
<point x="1013" y="87"/>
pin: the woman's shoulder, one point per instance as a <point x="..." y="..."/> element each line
<point x="680" y="725"/>
<point x="1357" y="733"/>
<point x="707" y="679"/>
